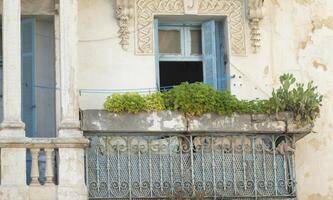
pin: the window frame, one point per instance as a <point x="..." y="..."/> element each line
<point x="215" y="69"/>
<point x="185" y="40"/>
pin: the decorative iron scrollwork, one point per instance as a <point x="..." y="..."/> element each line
<point x="191" y="166"/>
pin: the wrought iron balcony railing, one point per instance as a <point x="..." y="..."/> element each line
<point x="168" y="156"/>
<point x="190" y="166"/>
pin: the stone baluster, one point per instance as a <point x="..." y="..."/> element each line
<point x="34" y="166"/>
<point x="49" y="166"/>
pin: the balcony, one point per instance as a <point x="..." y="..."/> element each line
<point x="166" y="155"/>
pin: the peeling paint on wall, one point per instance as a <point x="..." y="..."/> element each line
<point x="318" y="196"/>
<point x="275" y="2"/>
<point x="316" y="143"/>
<point x="303" y="44"/>
<point x="305" y="2"/>
<point x="319" y="65"/>
<point x="318" y="23"/>
<point x="307" y="175"/>
<point x="266" y="70"/>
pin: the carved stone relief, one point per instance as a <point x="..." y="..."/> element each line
<point x="124" y="12"/>
<point x="255" y="15"/>
<point x="147" y="9"/>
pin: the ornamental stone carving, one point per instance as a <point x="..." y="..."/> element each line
<point x="124" y="12"/>
<point x="255" y="15"/>
<point x="147" y="9"/>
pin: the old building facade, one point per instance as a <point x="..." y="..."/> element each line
<point x="60" y="57"/>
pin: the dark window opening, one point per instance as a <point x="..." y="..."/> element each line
<point x="174" y="73"/>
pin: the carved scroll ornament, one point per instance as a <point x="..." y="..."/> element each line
<point x="147" y="9"/>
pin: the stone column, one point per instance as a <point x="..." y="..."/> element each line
<point x="11" y="34"/>
<point x="13" y="160"/>
<point x="71" y="165"/>
<point x="68" y="67"/>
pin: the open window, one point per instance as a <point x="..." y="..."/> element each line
<point x="190" y="52"/>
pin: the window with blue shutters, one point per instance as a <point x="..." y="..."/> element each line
<point x="190" y="52"/>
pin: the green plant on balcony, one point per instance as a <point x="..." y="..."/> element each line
<point x="197" y="98"/>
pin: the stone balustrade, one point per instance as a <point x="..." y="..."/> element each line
<point x="42" y="166"/>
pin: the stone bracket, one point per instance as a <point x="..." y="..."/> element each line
<point x="255" y="15"/>
<point x="124" y="13"/>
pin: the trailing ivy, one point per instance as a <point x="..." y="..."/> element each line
<point x="197" y="98"/>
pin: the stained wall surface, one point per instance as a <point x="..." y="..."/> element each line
<point x="297" y="38"/>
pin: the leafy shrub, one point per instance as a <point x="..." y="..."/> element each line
<point x="114" y="103"/>
<point x="192" y="99"/>
<point x="198" y="98"/>
<point x="128" y="102"/>
<point x="154" y="102"/>
<point x="254" y="106"/>
<point x="227" y="103"/>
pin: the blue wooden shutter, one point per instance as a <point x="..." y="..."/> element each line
<point x="220" y="62"/>
<point x="157" y="54"/>
<point x="213" y="62"/>
<point x="28" y="73"/>
<point x="209" y="53"/>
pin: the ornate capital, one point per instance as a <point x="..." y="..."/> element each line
<point x="255" y="15"/>
<point x="124" y="13"/>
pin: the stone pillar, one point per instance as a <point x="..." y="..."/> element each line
<point x="11" y="33"/>
<point x="71" y="161"/>
<point x="13" y="160"/>
<point x="68" y="67"/>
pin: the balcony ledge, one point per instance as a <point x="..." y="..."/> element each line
<point x="174" y="122"/>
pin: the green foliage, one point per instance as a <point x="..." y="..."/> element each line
<point x="154" y="102"/>
<point x="303" y="101"/>
<point x="134" y="103"/>
<point x="128" y="102"/>
<point x="192" y="99"/>
<point x="198" y="98"/>
<point x="227" y="103"/>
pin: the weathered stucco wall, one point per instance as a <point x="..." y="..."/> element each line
<point x="297" y="37"/>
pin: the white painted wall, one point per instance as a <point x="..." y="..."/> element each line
<point x="103" y="63"/>
<point x="297" y="37"/>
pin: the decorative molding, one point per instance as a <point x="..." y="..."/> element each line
<point x="124" y="12"/>
<point x="255" y="15"/>
<point x="147" y="9"/>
